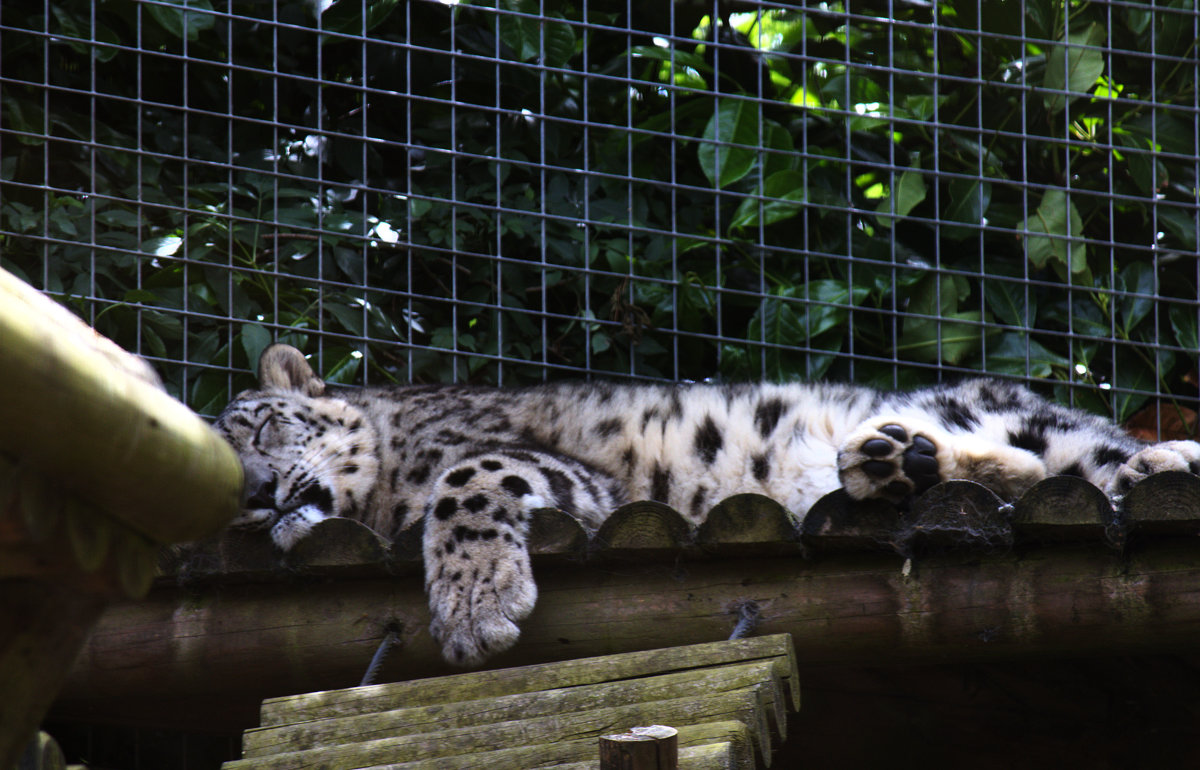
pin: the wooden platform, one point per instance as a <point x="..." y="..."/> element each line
<point x="728" y="701"/>
<point x="961" y="578"/>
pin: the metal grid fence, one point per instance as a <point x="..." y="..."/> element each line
<point x="504" y="191"/>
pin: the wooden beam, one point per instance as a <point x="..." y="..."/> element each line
<point x="81" y="411"/>
<point x="248" y="642"/>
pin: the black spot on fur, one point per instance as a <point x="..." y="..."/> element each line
<point x="954" y="413"/>
<point x="491" y="465"/>
<point x="445" y="508"/>
<point x="760" y="467"/>
<point x="452" y="437"/>
<point x="462" y="533"/>
<point x="767" y="415"/>
<point x="475" y="503"/>
<point x="1029" y="439"/>
<point x="607" y="428"/>
<point x="516" y="486"/>
<point x="460" y="477"/>
<point x="399" y="514"/>
<point x="500" y="516"/>
<point x="629" y="457"/>
<point x="394" y="480"/>
<point x="420" y="474"/>
<point x="349" y="469"/>
<point x="560" y="487"/>
<point x="698" y="499"/>
<point x="1109" y="455"/>
<point x="708" y="440"/>
<point x="1073" y="470"/>
<point x="660" y="484"/>
<point x="651" y="413"/>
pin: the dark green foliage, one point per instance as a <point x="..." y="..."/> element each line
<point x="483" y="193"/>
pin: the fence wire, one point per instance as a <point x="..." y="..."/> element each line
<point x="890" y="192"/>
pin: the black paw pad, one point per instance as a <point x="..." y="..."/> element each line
<point x="920" y="463"/>
<point x="895" y="431"/>
<point x="877" y="447"/>
<point x="879" y="469"/>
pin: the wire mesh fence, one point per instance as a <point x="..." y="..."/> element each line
<point x="891" y="192"/>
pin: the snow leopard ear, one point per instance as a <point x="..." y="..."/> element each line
<point x="283" y="367"/>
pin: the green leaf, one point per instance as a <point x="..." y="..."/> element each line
<point x="183" y="17"/>
<point x="780" y="197"/>
<point x="969" y="201"/>
<point x="1052" y="231"/>
<point x="908" y="192"/>
<point x="729" y="149"/>
<point x="1073" y="67"/>
<point x="1180" y="223"/>
<point x="1137" y="277"/>
<point x="1018" y="354"/>
<point x="255" y="339"/>
<point x="347" y="15"/>
<point x="524" y="35"/>
<point x="1011" y="302"/>
<point x="1184" y="324"/>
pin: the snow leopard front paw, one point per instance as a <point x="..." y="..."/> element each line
<point x="1165" y="456"/>
<point x="476" y="605"/>
<point x="884" y="459"/>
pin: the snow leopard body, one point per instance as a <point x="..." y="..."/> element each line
<point x="473" y="462"/>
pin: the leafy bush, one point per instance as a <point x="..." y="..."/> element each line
<point x="508" y="192"/>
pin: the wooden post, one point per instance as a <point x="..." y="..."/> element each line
<point x="98" y="467"/>
<point x="642" y="748"/>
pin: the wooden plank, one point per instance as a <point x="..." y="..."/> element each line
<point x="710" y="756"/>
<point x="1166" y="503"/>
<point x="742" y="706"/>
<point x="571" y="673"/>
<point x="713" y="746"/>
<point x="258" y="641"/>
<point x="761" y="676"/>
<point x="79" y="410"/>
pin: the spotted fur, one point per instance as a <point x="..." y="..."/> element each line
<point x="472" y="463"/>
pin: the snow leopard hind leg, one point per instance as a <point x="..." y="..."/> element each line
<point x="477" y="567"/>
<point x="991" y="432"/>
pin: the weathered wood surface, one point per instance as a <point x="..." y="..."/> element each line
<point x="653" y="747"/>
<point x="760" y="678"/>
<point x="775" y="650"/>
<point x="841" y="608"/>
<point x="734" y="694"/>
<point x="713" y="746"/>
<point x="77" y="409"/>
<point x="97" y="467"/>
<point x="738" y="705"/>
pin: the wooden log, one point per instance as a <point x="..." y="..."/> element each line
<point x="1065" y="509"/>
<point x="578" y="672"/>
<point x="642" y="529"/>
<point x="79" y="410"/>
<point x="654" y="747"/>
<point x="1166" y="503"/>
<point x="709" y="756"/>
<point x="742" y="706"/>
<point x="155" y="657"/>
<point x="749" y="524"/>
<point x="760" y="677"/>
<point x="713" y="746"/>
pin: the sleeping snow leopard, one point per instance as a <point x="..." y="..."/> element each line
<point x="473" y="462"/>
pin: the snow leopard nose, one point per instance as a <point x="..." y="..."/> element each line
<point x="258" y="491"/>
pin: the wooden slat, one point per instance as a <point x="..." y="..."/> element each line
<point x="759" y="675"/>
<point x="744" y="706"/>
<point x="524" y="679"/>
<point x="712" y="746"/>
